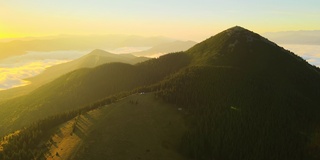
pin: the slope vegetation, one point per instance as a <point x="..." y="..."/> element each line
<point x="243" y="98"/>
<point x="93" y="59"/>
<point x="250" y="99"/>
<point x="136" y="127"/>
<point x="85" y="86"/>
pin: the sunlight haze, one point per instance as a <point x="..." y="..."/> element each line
<point x="191" y="20"/>
<point x="159" y="79"/>
<point x="64" y="26"/>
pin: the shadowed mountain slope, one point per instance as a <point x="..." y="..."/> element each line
<point x="249" y="99"/>
<point x="85" y="86"/>
<point x="93" y="59"/>
<point x="245" y="98"/>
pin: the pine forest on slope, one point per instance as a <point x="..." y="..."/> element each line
<point x="244" y="98"/>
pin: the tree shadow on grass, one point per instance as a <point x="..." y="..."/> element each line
<point x="83" y="125"/>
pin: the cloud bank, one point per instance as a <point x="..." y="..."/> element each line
<point x="11" y="77"/>
<point x="124" y="50"/>
<point x="310" y="53"/>
<point x="15" y="69"/>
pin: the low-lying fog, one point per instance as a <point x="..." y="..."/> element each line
<point x="311" y="53"/>
<point x="15" y="69"/>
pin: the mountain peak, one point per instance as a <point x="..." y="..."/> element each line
<point x="237" y="28"/>
<point x="99" y="52"/>
<point x="238" y="46"/>
<point x="238" y="32"/>
<point x="226" y="41"/>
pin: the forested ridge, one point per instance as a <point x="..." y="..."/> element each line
<point x="245" y="97"/>
<point x="29" y="143"/>
<point x="252" y="101"/>
<point x="85" y="86"/>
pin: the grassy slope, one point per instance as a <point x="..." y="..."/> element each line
<point x="250" y="101"/>
<point x="124" y="130"/>
<point x="93" y="59"/>
<point x="85" y="86"/>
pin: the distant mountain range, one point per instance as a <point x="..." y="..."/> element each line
<point x="235" y="96"/>
<point x="93" y="59"/>
<point x="295" y="37"/>
<point x="68" y="42"/>
<point x="161" y="49"/>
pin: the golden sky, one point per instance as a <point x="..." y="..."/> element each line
<point x="191" y="19"/>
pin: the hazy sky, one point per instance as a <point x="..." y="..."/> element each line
<point x="184" y="19"/>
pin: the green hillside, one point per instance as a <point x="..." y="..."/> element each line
<point x="126" y="130"/>
<point x="85" y="86"/>
<point x="250" y="99"/>
<point x="93" y="59"/>
<point x="139" y="126"/>
<point x="243" y="98"/>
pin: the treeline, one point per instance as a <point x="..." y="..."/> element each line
<point x="257" y="102"/>
<point x="124" y="77"/>
<point x="235" y="115"/>
<point x="317" y="68"/>
<point x="85" y="86"/>
<point x="26" y="145"/>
